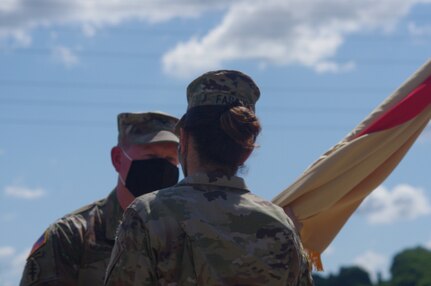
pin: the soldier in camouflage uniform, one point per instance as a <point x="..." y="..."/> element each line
<point x="209" y="229"/>
<point x="75" y="250"/>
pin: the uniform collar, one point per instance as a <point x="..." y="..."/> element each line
<point x="113" y="214"/>
<point x="215" y="179"/>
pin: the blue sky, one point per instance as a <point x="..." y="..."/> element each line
<point x="67" y="68"/>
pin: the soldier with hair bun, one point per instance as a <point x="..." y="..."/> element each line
<point x="209" y="229"/>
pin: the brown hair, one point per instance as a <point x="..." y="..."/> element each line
<point x="223" y="135"/>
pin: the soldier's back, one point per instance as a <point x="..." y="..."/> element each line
<point x="216" y="235"/>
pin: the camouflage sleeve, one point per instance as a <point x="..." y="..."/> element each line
<point x="132" y="261"/>
<point x="54" y="258"/>
<point x="305" y="278"/>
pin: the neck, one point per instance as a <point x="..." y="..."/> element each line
<point x="192" y="161"/>
<point x="194" y="166"/>
<point x="125" y="198"/>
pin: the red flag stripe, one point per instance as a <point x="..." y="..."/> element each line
<point x="405" y="110"/>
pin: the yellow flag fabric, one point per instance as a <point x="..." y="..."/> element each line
<point x="324" y="197"/>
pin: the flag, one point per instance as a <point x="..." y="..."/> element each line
<point x="39" y="243"/>
<point x="323" y="198"/>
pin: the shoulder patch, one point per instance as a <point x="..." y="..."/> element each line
<point x="40" y="242"/>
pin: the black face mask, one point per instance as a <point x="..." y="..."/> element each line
<point x="150" y="175"/>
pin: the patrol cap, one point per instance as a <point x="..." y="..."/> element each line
<point x="146" y="127"/>
<point x="222" y="87"/>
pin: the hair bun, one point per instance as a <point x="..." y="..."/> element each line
<point x="241" y="125"/>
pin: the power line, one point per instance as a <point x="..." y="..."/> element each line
<point x="157" y="55"/>
<point x="111" y="124"/>
<point x="76" y="103"/>
<point x="88" y="53"/>
<point x="86" y="85"/>
<point x="56" y="122"/>
<point x="162" y="86"/>
<point x="104" y="104"/>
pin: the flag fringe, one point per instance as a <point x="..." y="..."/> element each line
<point x="315" y="260"/>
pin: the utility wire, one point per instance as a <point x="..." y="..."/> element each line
<point x="86" y="85"/>
<point x="165" y="105"/>
<point x="180" y="88"/>
<point x="88" y="53"/>
<point x="157" y="55"/>
<point x="56" y="122"/>
<point x="76" y="103"/>
<point x="111" y="124"/>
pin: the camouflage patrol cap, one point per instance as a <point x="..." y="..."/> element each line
<point x="146" y="128"/>
<point x="222" y="87"/>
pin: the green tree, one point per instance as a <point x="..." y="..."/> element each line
<point x="353" y="276"/>
<point x="412" y="267"/>
<point x="348" y="276"/>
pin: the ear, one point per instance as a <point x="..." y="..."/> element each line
<point x="116" y="158"/>
<point x="245" y="156"/>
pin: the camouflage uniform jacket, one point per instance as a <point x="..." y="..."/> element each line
<point x="75" y="250"/>
<point x="206" y="230"/>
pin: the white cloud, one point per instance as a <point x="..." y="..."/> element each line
<point x="24" y="192"/>
<point x="18" y="17"/>
<point x="404" y="202"/>
<point x="20" y="38"/>
<point x="6" y="251"/>
<point x="419" y="31"/>
<point x="280" y="32"/>
<point x="18" y="262"/>
<point x="374" y="263"/>
<point x="65" y="56"/>
<point x="88" y="30"/>
<point x="428" y="244"/>
<point x="276" y="32"/>
<point x="8" y="6"/>
<point x="12" y="267"/>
